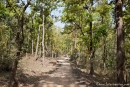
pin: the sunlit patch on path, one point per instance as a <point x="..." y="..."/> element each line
<point x="62" y="77"/>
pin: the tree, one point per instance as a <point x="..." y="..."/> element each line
<point x="38" y="36"/>
<point x="121" y="70"/>
<point x="19" y="38"/>
<point x="91" y="49"/>
<point x="103" y="9"/>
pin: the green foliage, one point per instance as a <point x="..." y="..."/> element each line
<point x="6" y="62"/>
<point x="9" y="14"/>
<point x="110" y="63"/>
<point x="62" y="41"/>
<point x="126" y="18"/>
<point x="74" y="56"/>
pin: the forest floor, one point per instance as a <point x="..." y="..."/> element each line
<point x="32" y="74"/>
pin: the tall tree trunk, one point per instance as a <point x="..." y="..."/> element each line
<point x="104" y="55"/>
<point x="43" y="31"/>
<point x="19" y="40"/>
<point x="37" y="43"/>
<point x="32" y="35"/>
<point x="121" y="70"/>
<point x="13" y="81"/>
<point x="91" y="51"/>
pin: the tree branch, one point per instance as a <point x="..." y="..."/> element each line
<point x="71" y="31"/>
<point x="79" y="28"/>
<point x="22" y="18"/>
<point x="25" y="7"/>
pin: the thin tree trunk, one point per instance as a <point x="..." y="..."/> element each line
<point x="71" y="48"/>
<point x="91" y="63"/>
<point x="75" y="37"/>
<point x="91" y="51"/>
<point x="52" y="54"/>
<point x="52" y="50"/>
<point x="121" y="70"/>
<point x="40" y="51"/>
<point x="13" y="81"/>
<point x="104" y="53"/>
<point x="43" y="31"/>
<point x="32" y="35"/>
<point x="104" y="47"/>
<point x="37" y="43"/>
<point x="32" y="47"/>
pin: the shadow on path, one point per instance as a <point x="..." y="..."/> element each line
<point x="61" y="76"/>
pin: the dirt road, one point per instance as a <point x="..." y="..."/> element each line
<point x="63" y="76"/>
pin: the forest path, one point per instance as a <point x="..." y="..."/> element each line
<point x="64" y="74"/>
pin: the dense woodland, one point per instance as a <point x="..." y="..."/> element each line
<point x="96" y="34"/>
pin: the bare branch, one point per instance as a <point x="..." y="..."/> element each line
<point x="25" y="7"/>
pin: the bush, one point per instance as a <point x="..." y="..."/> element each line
<point x="74" y="56"/>
<point x="6" y="62"/>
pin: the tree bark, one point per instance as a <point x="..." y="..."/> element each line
<point x="37" y="43"/>
<point x="91" y="50"/>
<point x="120" y="57"/>
<point x="75" y="37"/>
<point x="19" y="41"/>
<point x="43" y="31"/>
<point x="104" y="48"/>
<point x="104" y="53"/>
<point x="32" y="46"/>
<point x="13" y="81"/>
